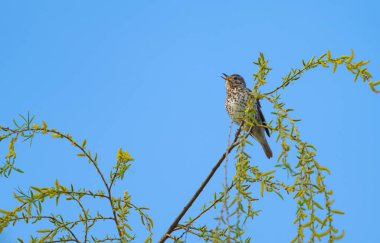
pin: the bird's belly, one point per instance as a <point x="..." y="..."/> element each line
<point x="235" y="111"/>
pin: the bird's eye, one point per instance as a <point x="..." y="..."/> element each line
<point x="235" y="78"/>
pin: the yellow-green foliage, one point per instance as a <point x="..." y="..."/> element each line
<point x="30" y="204"/>
<point x="315" y="213"/>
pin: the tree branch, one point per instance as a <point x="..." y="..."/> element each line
<point x="84" y="152"/>
<point x="207" y="209"/>
<point x="286" y="82"/>
<point x="200" y="189"/>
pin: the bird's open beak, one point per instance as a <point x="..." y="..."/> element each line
<point x="225" y="76"/>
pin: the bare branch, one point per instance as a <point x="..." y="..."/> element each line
<point x="200" y="189"/>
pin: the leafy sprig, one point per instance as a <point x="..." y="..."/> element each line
<point x="30" y="203"/>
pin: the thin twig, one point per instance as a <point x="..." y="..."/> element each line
<point x="114" y="177"/>
<point x="65" y="225"/>
<point x="300" y="71"/>
<point x="225" y="198"/>
<point x="187" y="230"/>
<point x="208" y="208"/>
<point x="85" y="216"/>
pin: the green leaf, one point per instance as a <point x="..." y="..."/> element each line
<point x="57" y="200"/>
<point x="372" y="86"/>
<point x="279" y="194"/>
<point x="325" y="169"/>
<point x="337" y="211"/>
<point x="262" y="188"/>
<point x="44" y="230"/>
<point x="18" y="170"/>
<point x="56" y="135"/>
<point x="349" y="60"/>
<point x="338" y="237"/>
<point x="4" y="211"/>
<point x="268" y="173"/>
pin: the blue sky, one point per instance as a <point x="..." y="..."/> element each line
<point x="145" y="76"/>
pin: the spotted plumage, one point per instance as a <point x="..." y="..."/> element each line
<point x="236" y="99"/>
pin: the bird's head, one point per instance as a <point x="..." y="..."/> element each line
<point x="233" y="81"/>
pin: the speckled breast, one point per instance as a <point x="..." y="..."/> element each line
<point x="235" y="103"/>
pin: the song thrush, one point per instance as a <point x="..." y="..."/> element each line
<point x="236" y="100"/>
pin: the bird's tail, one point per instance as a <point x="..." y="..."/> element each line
<point x="263" y="141"/>
<point x="267" y="150"/>
<point x="259" y="135"/>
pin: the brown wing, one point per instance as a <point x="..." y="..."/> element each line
<point x="262" y="117"/>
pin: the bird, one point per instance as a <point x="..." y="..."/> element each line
<point x="236" y="101"/>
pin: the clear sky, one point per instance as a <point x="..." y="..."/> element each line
<point x="145" y="76"/>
